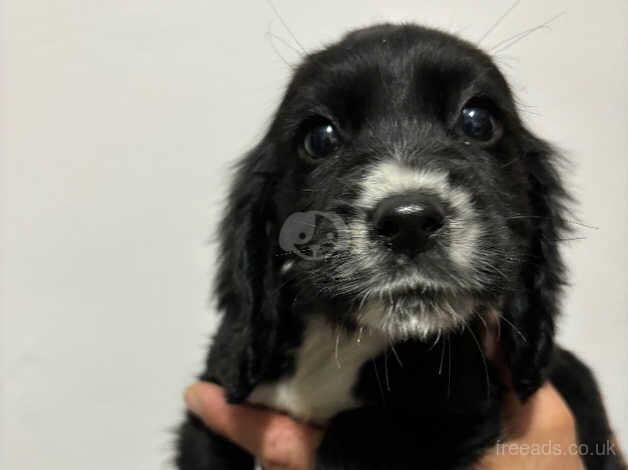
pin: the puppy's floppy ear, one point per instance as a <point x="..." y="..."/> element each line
<point x="529" y="340"/>
<point x="246" y="279"/>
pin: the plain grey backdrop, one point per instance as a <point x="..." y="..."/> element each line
<point x="120" y="120"/>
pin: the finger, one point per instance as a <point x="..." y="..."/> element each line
<point x="273" y="437"/>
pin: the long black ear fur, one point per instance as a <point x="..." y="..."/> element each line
<point x="528" y="342"/>
<point x="246" y="279"/>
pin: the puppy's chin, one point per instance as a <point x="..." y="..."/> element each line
<point x="404" y="318"/>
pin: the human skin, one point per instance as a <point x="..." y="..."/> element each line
<point x="282" y="443"/>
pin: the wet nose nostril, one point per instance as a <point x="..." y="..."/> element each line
<point x="407" y="222"/>
<point x="388" y="227"/>
<point x="433" y="222"/>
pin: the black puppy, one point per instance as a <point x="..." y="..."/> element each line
<point x="396" y="205"/>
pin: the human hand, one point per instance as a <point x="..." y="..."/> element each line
<point x="539" y="435"/>
<point x="276" y="440"/>
<point x="280" y="442"/>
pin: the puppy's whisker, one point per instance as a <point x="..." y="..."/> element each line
<point x="568" y="239"/>
<point x="338" y="364"/>
<point x="498" y="21"/>
<point x="515" y="329"/>
<point x="567" y="221"/>
<point x="435" y="342"/>
<point x="282" y="40"/>
<point x="511" y="41"/>
<point x="449" y="369"/>
<point x="483" y="357"/>
<point x="481" y="318"/>
<point x="442" y="357"/>
<point x="394" y="351"/>
<point x="285" y="24"/>
<point x="492" y="267"/>
<point x="379" y="382"/>
<point x="271" y="40"/>
<point x="386" y="371"/>
<point x="511" y="162"/>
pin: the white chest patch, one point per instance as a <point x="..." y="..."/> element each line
<point x="326" y="369"/>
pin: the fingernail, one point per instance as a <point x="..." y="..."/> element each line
<point x="192" y="400"/>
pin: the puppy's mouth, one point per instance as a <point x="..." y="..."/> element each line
<point x="416" y="313"/>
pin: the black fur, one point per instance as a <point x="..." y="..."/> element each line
<point x="382" y="87"/>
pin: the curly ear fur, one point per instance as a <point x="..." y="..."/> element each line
<point x="529" y="342"/>
<point x="245" y="284"/>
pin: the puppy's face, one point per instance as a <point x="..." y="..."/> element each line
<point x="402" y="184"/>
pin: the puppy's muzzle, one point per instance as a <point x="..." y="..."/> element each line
<point x="408" y="223"/>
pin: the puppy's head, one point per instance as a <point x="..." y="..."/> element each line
<point x="398" y="189"/>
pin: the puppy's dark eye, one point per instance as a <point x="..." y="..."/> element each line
<point x="477" y="123"/>
<point x="321" y="140"/>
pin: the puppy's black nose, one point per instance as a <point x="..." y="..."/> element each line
<point x="408" y="222"/>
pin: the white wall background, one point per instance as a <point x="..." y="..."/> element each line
<point x="119" y="122"/>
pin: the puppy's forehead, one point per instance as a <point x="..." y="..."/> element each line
<point x="387" y="64"/>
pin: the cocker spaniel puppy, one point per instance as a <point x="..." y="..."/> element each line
<point x="396" y="208"/>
